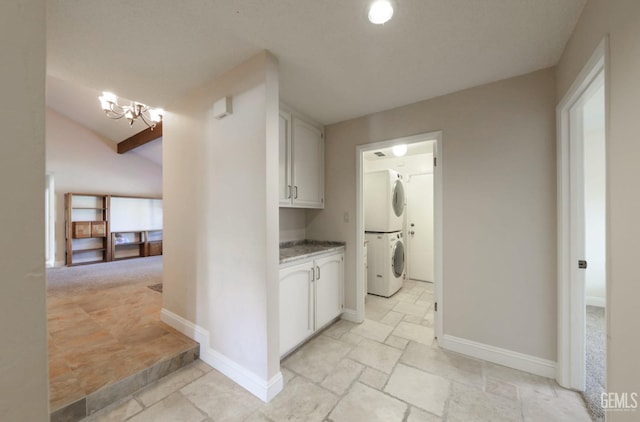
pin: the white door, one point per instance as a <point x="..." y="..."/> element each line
<point x="285" y="158"/>
<point x="420" y="227"/>
<point x="296" y="305"/>
<point x="328" y="288"/>
<point x="308" y="165"/>
<point x="578" y="206"/>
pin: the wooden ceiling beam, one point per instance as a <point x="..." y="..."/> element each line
<point x="140" y="138"/>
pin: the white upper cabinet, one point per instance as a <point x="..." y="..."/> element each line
<point x="301" y="163"/>
<point x="285" y="159"/>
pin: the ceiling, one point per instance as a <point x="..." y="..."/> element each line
<point x="415" y="148"/>
<point x="334" y="64"/>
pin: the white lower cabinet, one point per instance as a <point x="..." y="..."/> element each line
<point x="311" y="295"/>
<point x="296" y="300"/>
<point x="328" y="288"/>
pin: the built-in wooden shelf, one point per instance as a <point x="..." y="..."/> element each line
<point x="136" y="244"/>
<point x="88" y="231"/>
<point x="88" y="250"/>
<point x="87" y="228"/>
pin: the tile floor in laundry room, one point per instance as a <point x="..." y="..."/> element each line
<point x="385" y="369"/>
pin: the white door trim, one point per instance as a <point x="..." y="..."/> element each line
<point x="571" y="295"/>
<point x="437" y="217"/>
<point x="50" y="221"/>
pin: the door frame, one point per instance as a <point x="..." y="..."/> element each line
<point x="570" y="369"/>
<point x="50" y="220"/>
<point x="437" y="221"/>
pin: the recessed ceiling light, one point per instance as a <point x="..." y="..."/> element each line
<point x="399" y="150"/>
<point x="380" y="11"/>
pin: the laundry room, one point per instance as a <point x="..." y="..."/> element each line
<point x="398" y="205"/>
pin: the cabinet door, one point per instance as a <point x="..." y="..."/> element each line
<point x="296" y="305"/>
<point x="285" y="159"/>
<point x="308" y="165"/>
<point x="328" y="288"/>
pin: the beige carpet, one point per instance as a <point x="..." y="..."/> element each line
<point x="595" y="357"/>
<point x="103" y="275"/>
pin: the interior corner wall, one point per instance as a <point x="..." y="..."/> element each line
<point x="23" y="312"/>
<point x="221" y="216"/>
<point x="499" y="205"/>
<point x="83" y="161"/>
<point x="293" y="223"/>
<point x="619" y="20"/>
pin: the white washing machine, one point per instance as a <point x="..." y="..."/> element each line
<point x="385" y="261"/>
<point x="383" y="201"/>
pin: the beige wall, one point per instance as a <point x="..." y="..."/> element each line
<point x="621" y="21"/>
<point x="23" y="318"/>
<point x="293" y="223"/>
<point x="83" y="161"/>
<point x="499" y="206"/>
<point x="221" y="215"/>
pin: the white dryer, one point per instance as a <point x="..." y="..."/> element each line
<point x="385" y="261"/>
<point x="383" y="201"/>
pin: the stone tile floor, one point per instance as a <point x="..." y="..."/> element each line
<point x="385" y="369"/>
<point x="99" y="335"/>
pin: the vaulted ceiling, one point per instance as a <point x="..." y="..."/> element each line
<point x="334" y="64"/>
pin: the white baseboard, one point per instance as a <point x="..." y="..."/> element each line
<point x="516" y="360"/>
<point x="263" y="389"/>
<point x="54" y="264"/>
<point x="596" y="301"/>
<point x="351" y="315"/>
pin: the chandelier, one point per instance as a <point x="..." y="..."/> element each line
<point x="133" y="111"/>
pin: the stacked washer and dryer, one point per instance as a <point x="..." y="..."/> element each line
<point x="384" y="215"/>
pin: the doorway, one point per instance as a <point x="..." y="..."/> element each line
<point x="434" y="165"/>
<point x="582" y="233"/>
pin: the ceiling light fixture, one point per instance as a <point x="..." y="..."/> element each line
<point x="380" y="12"/>
<point x="150" y="116"/>
<point x="399" y="150"/>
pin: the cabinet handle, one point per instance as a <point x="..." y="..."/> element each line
<point x="289" y="194"/>
<point x="309" y="299"/>
<point x="318" y="277"/>
<point x="296" y="195"/>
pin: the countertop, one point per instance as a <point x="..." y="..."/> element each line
<point x="302" y="249"/>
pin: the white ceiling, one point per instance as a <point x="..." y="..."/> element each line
<point x="425" y="147"/>
<point x="82" y="105"/>
<point x="334" y="64"/>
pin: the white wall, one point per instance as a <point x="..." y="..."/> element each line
<point x="499" y="204"/>
<point x="83" y="161"/>
<point x="221" y="253"/>
<point x="23" y="318"/>
<point x="618" y="19"/>
<point x="594" y="198"/>
<point x="293" y="224"/>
